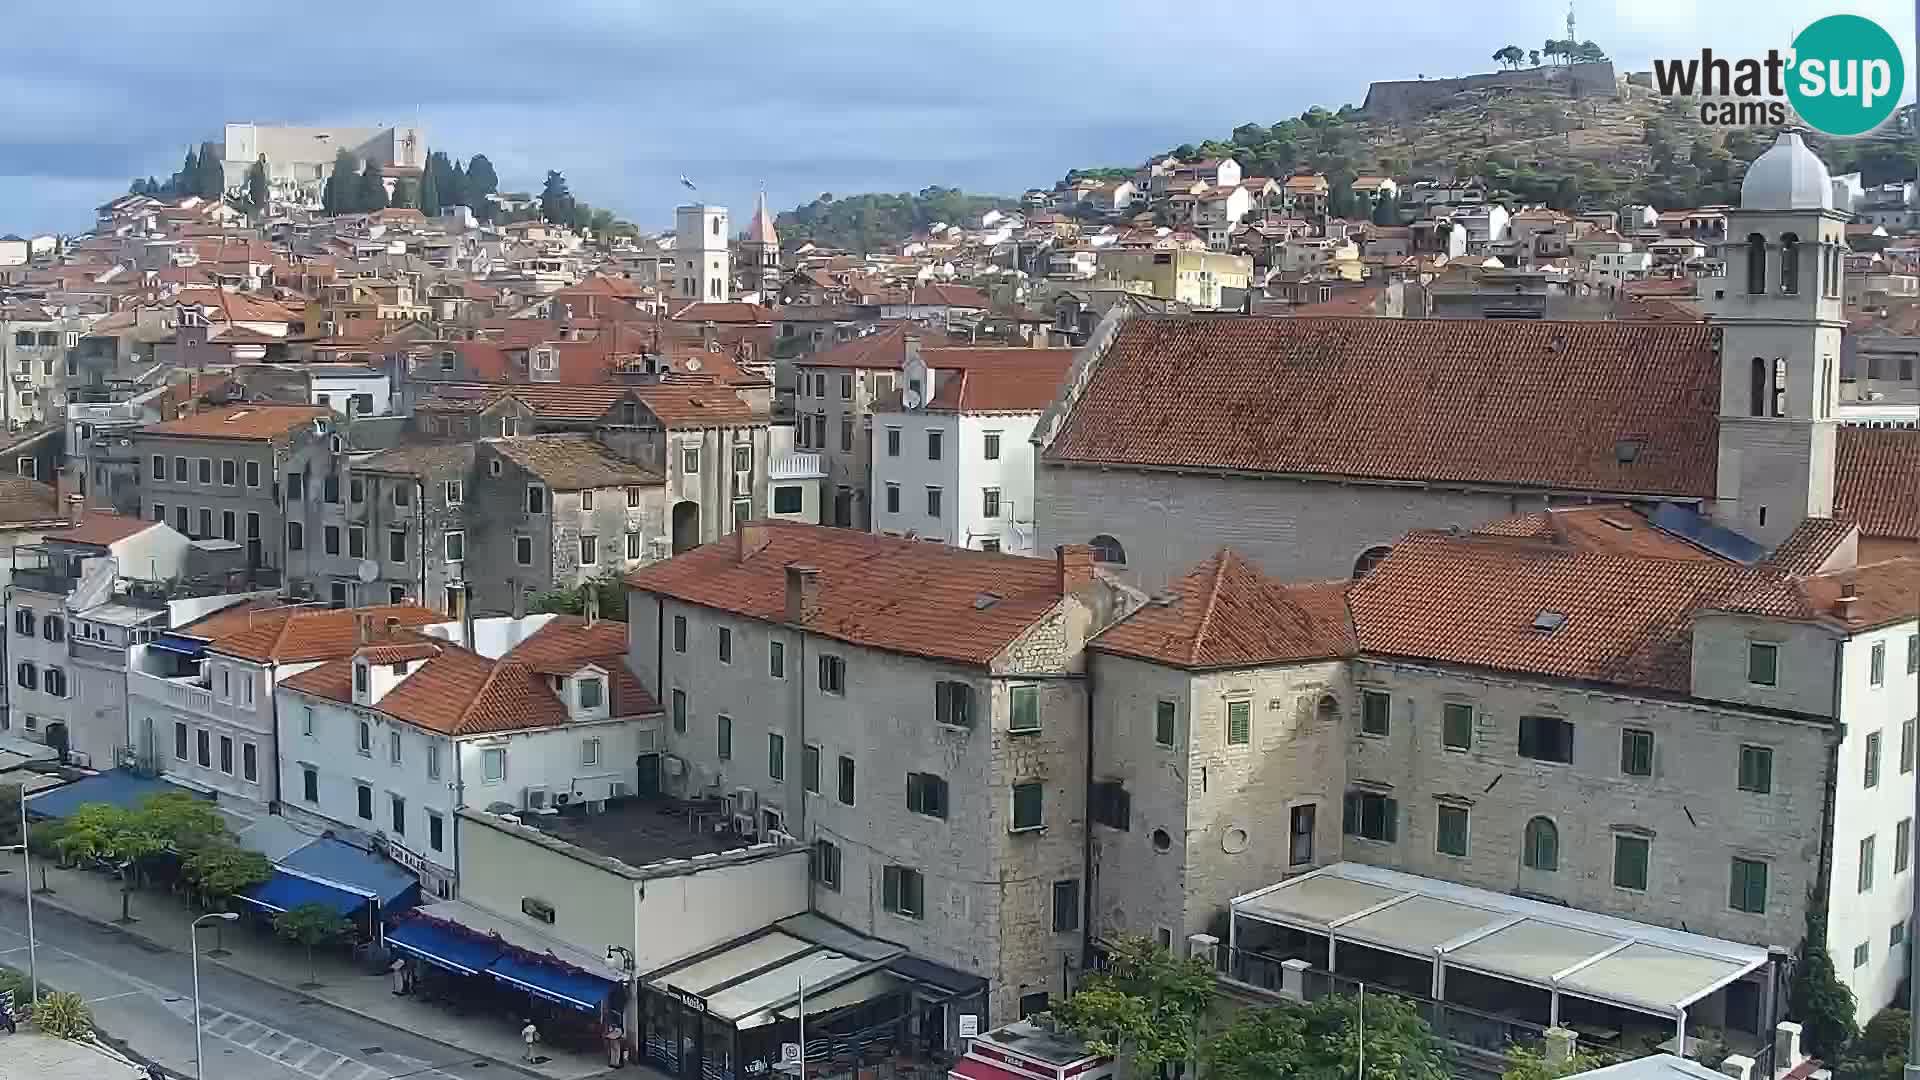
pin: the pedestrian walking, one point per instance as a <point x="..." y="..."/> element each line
<point x="529" y="1035"/>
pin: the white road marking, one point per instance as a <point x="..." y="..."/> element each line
<point x="122" y="994"/>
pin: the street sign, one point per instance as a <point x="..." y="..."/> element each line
<point x="969" y="1025"/>
<point x="789" y="1053"/>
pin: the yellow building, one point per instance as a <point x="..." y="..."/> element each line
<point x="1200" y="279"/>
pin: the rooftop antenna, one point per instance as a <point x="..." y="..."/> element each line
<point x="1570" y="37"/>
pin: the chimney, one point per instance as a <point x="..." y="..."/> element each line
<point x="710" y="336"/>
<point x="1786" y="1046"/>
<point x="362" y="628"/>
<point x="748" y="540"/>
<point x="1074" y="563"/>
<point x="76" y="509"/>
<point x="590" y="602"/>
<point x="803" y="593"/>
<point x="913" y="353"/>
<point x="1843" y="607"/>
<point x="1738" y="1066"/>
<point x="466" y="617"/>
<point x="519" y="599"/>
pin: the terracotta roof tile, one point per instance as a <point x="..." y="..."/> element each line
<point x="884" y="349"/>
<point x="1539" y="404"/>
<point x="1811" y="545"/>
<point x="1885" y="594"/>
<point x="572" y="462"/>
<point x="960" y="296"/>
<point x="1877" y="481"/>
<point x="256" y="423"/>
<point x="1226" y="613"/>
<point x="732" y="312"/>
<point x="556" y="401"/>
<point x="999" y="380"/>
<point x="689" y="406"/>
<point x="567" y="642"/>
<point x="1604" y="530"/>
<point x="25" y="500"/>
<point x="101" y="528"/>
<point x="301" y="634"/>
<point x="424" y="459"/>
<point x="904" y="596"/>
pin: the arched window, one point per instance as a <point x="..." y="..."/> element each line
<point x="1541" y="849"/>
<point x="1369" y="559"/>
<point x="1757" y="392"/>
<point x="1789" y="262"/>
<point x="1780" y="387"/>
<point x="1108" y="550"/>
<point x="1756" y="263"/>
<point x="1328" y="711"/>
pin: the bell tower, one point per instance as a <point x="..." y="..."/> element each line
<point x="1779" y="312"/>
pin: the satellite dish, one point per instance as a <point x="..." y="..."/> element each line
<point x="910" y="398"/>
<point x="368" y="571"/>
<point x="693" y="363"/>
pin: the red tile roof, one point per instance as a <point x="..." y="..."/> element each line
<point x="1877" y="481"/>
<point x="102" y="528"/>
<point x="999" y="380"/>
<point x="1885" y="594"/>
<point x="300" y="634"/>
<point x="904" y="596"/>
<point x="704" y="311"/>
<point x="24" y="500"/>
<point x="1604" y="530"/>
<point x="884" y="349"/>
<point x="1535" y="404"/>
<point x="1226" y="613"/>
<point x="571" y="462"/>
<point x="960" y="296"/>
<point x="1813" y="542"/>
<point x="254" y="423"/>
<point x="688" y="406"/>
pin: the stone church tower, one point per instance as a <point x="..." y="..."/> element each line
<point x="1779" y="310"/>
<point x="760" y="253"/>
<point x="704" y="266"/>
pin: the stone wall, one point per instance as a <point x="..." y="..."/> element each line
<point x="1412" y="97"/>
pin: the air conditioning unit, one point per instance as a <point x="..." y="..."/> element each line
<point x="534" y="798"/>
<point x="747" y="826"/>
<point x="675" y="766"/>
<point x="562" y="799"/>
<point x="744" y="800"/>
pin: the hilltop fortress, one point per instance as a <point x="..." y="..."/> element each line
<point x="1411" y="97"/>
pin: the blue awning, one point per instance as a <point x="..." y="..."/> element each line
<point x="331" y="860"/>
<point x="436" y="944"/>
<point x="116" y="787"/>
<point x="284" y="892"/>
<point x="191" y="647"/>
<point x="574" y="989"/>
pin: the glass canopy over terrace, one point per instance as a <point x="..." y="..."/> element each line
<point x="1535" y="962"/>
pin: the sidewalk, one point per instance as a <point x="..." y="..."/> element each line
<point x="163" y="919"/>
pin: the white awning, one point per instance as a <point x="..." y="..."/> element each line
<point x="1618" y="961"/>
<point x="761" y="978"/>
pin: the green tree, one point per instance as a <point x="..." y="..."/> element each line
<point x="1340" y="200"/>
<point x="220" y="870"/>
<point x="1533" y="57"/>
<point x="210" y="179"/>
<point x="182" y="183"/>
<point x="430" y="193"/>
<point x="1386" y="210"/>
<point x="481" y="182"/>
<point x="259" y="195"/>
<point x="1820" y="1001"/>
<point x="556" y="202"/>
<point x="1526" y="1064"/>
<point x="1145" y="1005"/>
<point x="405" y="194"/>
<point x="610" y="586"/>
<point x="1509" y="56"/>
<point x="454" y="191"/>
<point x="370" y="192"/>
<point x="64" y="1016"/>
<point x="1323" y="1039"/>
<point x="111" y="834"/>
<point x="310" y="925"/>
<point x="338" y="197"/>
<point x="1880" y="1052"/>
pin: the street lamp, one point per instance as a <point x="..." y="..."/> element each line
<point x="199" y="1066"/>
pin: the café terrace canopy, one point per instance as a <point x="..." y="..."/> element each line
<point x="1617" y="961"/>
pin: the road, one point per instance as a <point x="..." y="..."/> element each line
<point x="142" y="995"/>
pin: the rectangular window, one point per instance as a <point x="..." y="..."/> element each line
<point x="1748" y="889"/>
<point x="846" y="388"/>
<point x="1906" y="747"/>
<point x="456" y="546"/>
<point x="1376" y="712"/>
<point x="310" y="783"/>
<point x="253" y="474"/>
<point x="436" y="831"/>
<point x="990" y="446"/>
<point x="433" y="761"/>
<point x="229" y="474"/>
<point x="1636" y="752"/>
<point x="933" y="446"/>
<point x="180" y="741"/>
<point x="1164" y="720"/>
<point x="826" y="864"/>
<point x="679" y="698"/>
<point x="1630" y="862"/>
<point x="227" y="525"/>
<point x="893" y="442"/>
<point x="296" y="485"/>
<point x="893" y="498"/>
<point x="846" y="434"/>
<point x="330" y="539"/>
<point x="402" y="494"/>
<point x="1862" y="953"/>
<point x="1239" y="723"/>
<point x="206" y="524"/>
<point x="1027" y="807"/>
<point x="1450" y="834"/>
<point x="679" y="633"/>
<point x="180" y="470"/>
<point x="633" y="545"/>
<point x="493" y="765"/>
<point x="1913" y="653"/>
<point x="1756" y="769"/>
<point x="250" y="762"/>
<point x="723" y="733"/>
<point x="1300" y="835"/>
<point x="990" y="502"/>
<point x="1066" y="906"/>
<point x="726" y="645"/>
<point x="846" y="781"/>
<point x="927" y="794"/>
<point x="1877" y="664"/>
<point x="1902" y="845"/>
<point x="953" y="705"/>
<point x="589" y="549"/>
<point x="1456" y="726"/>
<point x="776" y="757"/>
<point x="393" y="747"/>
<point x="1866" y="864"/>
<point x="399" y="815"/>
<point x="536" y="499"/>
<point x="296" y="533"/>
<point x="1871" y="774"/>
<point x="523" y="550"/>
<point x="203" y="748"/>
<point x="1371" y="816"/>
<point x="933" y="502"/>
<point x="363" y="800"/>
<point x="397" y="546"/>
<point x="903" y="892"/>
<point x="181" y="526"/>
<point x="586" y="500"/>
<point x="1025" y="714"/>
<point x="833" y="675"/>
<point x="777" y="659"/>
<point x="226" y="754"/>
<point x="357" y="541"/>
<point x="1763" y="664"/>
<point x="159" y="467"/>
<point x="1109" y="804"/>
<point x="1546" y="738"/>
<point x="810" y="768"/>
<point x="788" y="499"/>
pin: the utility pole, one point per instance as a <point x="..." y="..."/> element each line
<point x="1913" y="987"/>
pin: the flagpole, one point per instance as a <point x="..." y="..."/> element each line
<point x="1361" y="1074"/>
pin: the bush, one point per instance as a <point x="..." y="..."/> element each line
<point x="64" y="1015"/>
<point x="11" y="980"/>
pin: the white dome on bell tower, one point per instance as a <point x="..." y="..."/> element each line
<point x="1789" y="176"/>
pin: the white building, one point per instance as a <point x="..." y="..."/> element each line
<point x="951" y="450"/>
<point x="704" y="263"/>
<point x="351" y="390"/>
<point x="408" y="728"/>
<point x="300" y="159"/>
<point x="1618" y="267"/>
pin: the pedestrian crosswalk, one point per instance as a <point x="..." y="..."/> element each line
<point x="305" y="1058"/>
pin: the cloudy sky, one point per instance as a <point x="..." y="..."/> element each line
<point x="625" y="96"/>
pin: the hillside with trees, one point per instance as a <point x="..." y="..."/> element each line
<point x="877" y="222"/>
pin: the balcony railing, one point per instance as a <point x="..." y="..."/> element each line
<point x="188" y="696"/>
